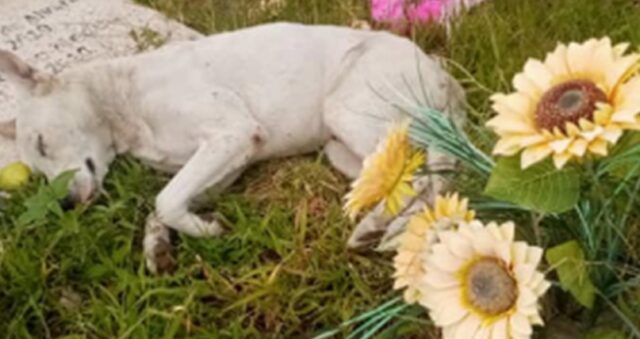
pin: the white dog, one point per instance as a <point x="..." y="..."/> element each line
<point x="207" y="109"/>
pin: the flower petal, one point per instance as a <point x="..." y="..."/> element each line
<point x="526" y="298"/>
<point x="503" y="251"/>
<point x="536" y="320"/>
<point x="559" y="160"/>
<point x="467" y="327"/>
<point x="612" y="134"/>
<point x="519" y="324"/>
<point x="440" y="280"/>
<point x="538" y="73"/>
<point x="599" y="147"/>
<point x="559" y="146"/>
<point x="450" y="314"/>
<point x="483" y="244"/>
<point x="534" y="155"/>
<point x="542" y="288"/>
<point x="484" y="332"/>
<point x="621" y="69"/>
<point x="524" y="272"/>
<point x="433" y="299"/>
<point x="556" y="61"/>
<point x="523" y="84"/>
<point x="579" y="58"/>
<point x="508" y="230"/>
<point x="534" y="255"/>
<point x="458" y="246"/>
<point x="579" y="147"/>
<point x="499" y="330"/>
<point x="513" y="104"/>
<point x="519" y="252"/>
<point x="507" y="123"/>
<point x="443" y="259"/>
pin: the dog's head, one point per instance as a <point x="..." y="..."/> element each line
<point x="56" y="128"/>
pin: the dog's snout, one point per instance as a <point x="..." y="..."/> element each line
<point x="80" y="192"/>
<point x="74" y="199"/>
<point x="68" y="203"/>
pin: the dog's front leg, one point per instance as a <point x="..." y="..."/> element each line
<point x="221" y="155"/>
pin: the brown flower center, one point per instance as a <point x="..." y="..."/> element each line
<point x="490" y="288"/>
<point x="568" y="102"/>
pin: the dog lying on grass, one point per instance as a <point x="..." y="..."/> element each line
<point x="207" y="109"/>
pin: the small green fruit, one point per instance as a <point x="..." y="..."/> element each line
<point x="13" y="176"/>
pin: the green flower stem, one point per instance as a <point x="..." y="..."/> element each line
<point x="432" y="129"/>
<point x="377" y="322"/>
<point x="373" y="313"/>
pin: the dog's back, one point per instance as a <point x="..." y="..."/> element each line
<point x="290" y="77"/>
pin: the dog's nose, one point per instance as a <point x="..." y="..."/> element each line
<point x="68" y="203"/>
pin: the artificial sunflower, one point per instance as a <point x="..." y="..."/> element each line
<point x="386" y="174"/>
<point x="420" y="234"/>
<point x="483" y="284"/>
<point x="580" y="100"/>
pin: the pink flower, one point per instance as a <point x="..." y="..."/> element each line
<point x="387" y="10"/>
<point x="412" y="12"/>
<point x="427" y="10"/>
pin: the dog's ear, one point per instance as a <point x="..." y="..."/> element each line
<point x="22" y="75"/>
<point x="8" y="129"/>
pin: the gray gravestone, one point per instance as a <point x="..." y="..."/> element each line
<point x="54" y="34"/>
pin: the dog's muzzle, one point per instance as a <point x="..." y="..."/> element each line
<point x="81" y="192"/>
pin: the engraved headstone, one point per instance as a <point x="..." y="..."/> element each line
<point x="54" y="34"/>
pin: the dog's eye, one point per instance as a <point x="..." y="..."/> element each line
<point x="40" y="146"/>
<point x="90" y="165"/>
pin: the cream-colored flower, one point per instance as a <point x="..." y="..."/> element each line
<point x="580" y="100"/>
<point x="480" y="283"/>
<point x="386" y="174"/>
<point x="420" y="234"/>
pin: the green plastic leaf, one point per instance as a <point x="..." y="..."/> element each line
<point x="605" y="333"/>
<point x="541" y="188"/>
<point x="569" y="263"/>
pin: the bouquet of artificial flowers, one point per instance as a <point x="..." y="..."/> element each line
<point x="567" y="162"/>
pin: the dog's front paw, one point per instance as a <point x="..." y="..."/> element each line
<point x="158" y="251"/>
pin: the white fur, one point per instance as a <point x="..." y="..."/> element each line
<point x="207" y="109"/>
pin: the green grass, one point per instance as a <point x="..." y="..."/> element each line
<point x="277" y="274"/>
<point x="283" y="271"/>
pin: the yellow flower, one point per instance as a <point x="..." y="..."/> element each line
<point x="386" y="174"/>
<point x="483" y="284"/>
<point x="421" y="233"/>
<point x="579" y="100"/>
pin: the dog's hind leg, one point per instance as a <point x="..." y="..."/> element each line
<point x="360" y="133"/>
<point x="343" y="159"/>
